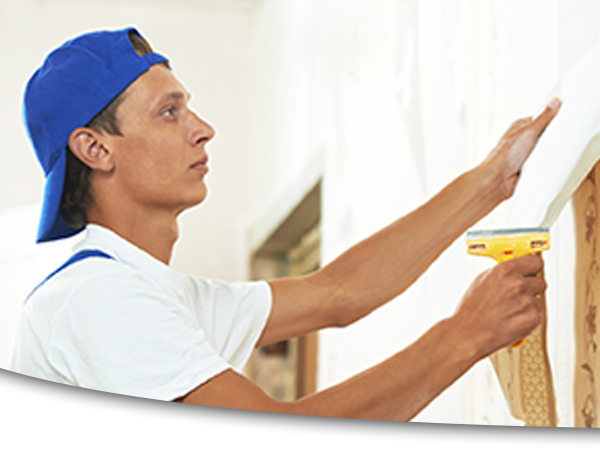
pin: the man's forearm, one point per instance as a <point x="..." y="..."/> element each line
<point x="396" y="389"/>
<point x="387" y="263"/>
<point x="400" y="387"/>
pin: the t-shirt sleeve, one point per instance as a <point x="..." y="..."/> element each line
<point x="232" y="315"/>
<point x="119" y="335"/>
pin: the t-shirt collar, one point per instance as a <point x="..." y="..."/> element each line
<point x="106" y="240"/>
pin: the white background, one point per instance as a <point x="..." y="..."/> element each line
<point x="49" y="418"/>
<point x="388" y="101"/>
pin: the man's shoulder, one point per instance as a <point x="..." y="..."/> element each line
<point x="89" y="280"/>
<point x="93" y="269"/>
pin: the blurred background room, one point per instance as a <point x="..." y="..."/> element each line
<point x="333" y="118"/>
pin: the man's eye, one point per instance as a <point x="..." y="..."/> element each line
<point x="170" y="111"/>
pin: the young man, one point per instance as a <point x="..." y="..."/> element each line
<point x="108" y="113"/>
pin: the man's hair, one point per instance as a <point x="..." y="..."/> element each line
<point x="76" y="195"/>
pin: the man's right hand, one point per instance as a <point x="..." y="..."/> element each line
<point x="503" y="305"/>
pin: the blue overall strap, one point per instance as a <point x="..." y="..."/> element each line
<point x="79" y="256"/>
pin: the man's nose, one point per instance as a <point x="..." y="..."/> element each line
<point x="201" y="131"/>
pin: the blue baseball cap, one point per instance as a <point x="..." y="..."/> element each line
<point x="74" y="84"/>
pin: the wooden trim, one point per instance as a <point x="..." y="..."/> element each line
<point x="308" y="349"/>
<point x="587" y="296"/>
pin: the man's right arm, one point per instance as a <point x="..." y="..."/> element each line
<point x="499" y="309"/>
<point x="383" y="266"/>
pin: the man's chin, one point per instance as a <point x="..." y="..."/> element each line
<point x="198" y="199"/>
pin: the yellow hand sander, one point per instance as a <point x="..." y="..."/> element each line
<point x="505" y="244"/>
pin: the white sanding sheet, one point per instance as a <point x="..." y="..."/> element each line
<point x="565" y="153"/>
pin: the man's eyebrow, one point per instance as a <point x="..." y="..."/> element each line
<point x="174" y="96"/>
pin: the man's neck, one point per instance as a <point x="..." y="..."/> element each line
<point x="156" y="235"/>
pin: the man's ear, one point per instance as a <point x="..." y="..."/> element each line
<point x="88" y="145"/>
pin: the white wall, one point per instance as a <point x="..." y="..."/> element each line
<point x="399" y="97"/>
<point x="387" y="101"/>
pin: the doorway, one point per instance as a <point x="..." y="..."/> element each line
<point x="287" y="370"/>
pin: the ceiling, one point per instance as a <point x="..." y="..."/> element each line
<point x="236" y="6"/>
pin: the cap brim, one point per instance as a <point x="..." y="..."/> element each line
<point x="52" y="226"/>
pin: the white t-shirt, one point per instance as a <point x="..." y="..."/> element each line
<point x="135" y="326"/>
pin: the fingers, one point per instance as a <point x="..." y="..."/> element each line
<point x="538" y="302"/>
<point x="530" y="265"/>
<point x="515" y="146"/>
<point x="504" y="304"/>
<point x="540" y="123"/>
<point x="523" y="277"/>
<point x="518" y="124"/>
<point x="526" y="274"/>
<point x="536" y="286"/>
<point x="543" y="120"/>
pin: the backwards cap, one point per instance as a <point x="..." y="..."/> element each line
<point x="74" y="84"/>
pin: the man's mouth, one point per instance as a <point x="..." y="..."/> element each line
<point x="201" y="164"/>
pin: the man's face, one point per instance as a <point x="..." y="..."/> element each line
<point x="160" y="158"/>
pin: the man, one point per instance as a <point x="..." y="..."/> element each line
<point x="124" y="156"/>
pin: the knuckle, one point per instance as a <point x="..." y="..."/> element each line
<point x="524" y="304"/>
<point x="505" y="268"/>
<point x="515" y="286"/>
<point x="537" y="260"/>
<point x="520" y="286"/>
<point x="529" y="318"/>
<point x="533" y="263"/>
<point x="520" y="122"/>
<point x="509" y="140"/>
<point x="514" y="293"/>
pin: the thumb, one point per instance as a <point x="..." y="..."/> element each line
<point x="540" y="123"/>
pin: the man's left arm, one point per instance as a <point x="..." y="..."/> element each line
<point x="384" y="265"/>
